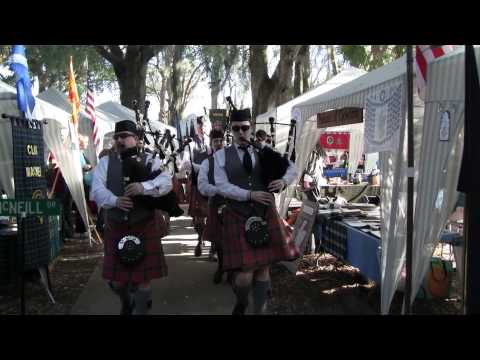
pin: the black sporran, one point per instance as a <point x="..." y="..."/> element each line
<point x="256" y="232"/>
<point x="130" y="250"/>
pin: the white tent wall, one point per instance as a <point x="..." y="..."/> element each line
<point x="439" y="164"/>
<point x="52" y="134"/>
<point x="393" y="165"/>
<point x="283" y="113"/>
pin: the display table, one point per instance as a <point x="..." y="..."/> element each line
<point x="346" y="243"/>
<point x="351" y="193"/>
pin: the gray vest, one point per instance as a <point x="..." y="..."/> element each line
<point x="238" y="176"/>
<point x="116" y="184"/>
<point x="217" y="200"/>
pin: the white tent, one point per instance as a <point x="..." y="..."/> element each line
<point x="439" y="165"/>
<point x="283" y="113"/>
<point x="392" y="164"/>
<point x="105" y="121"/>
<point x="55" y="135"/>
<point x="124" y="113"/>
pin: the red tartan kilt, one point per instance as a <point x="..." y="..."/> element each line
<point x="153" y="266"/>
<point x="239" y="255"/>
<point x="213" y="229"/>
<point x="198" y="204"/>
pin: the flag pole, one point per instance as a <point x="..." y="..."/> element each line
<point x="472" y="194"/>
<point x="410" y="174"/>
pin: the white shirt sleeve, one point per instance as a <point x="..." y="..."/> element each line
<point x="162" y="184"/>
<point x="224" y="187"/>
<point x="291" y="173"/>
<point x="204" y="186"/>
<point x="99" y="193"/>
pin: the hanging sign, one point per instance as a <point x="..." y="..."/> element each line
<point x="339" y="117"/>
<point x="218" y="118"/>
<point x="335" y="140"/>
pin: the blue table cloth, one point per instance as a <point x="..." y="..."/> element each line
<point x="337" y="172"/>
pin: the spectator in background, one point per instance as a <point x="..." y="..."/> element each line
<point x="87" y="181"/>
<point x="261" y="137"/>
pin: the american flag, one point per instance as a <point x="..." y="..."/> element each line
<point x="425" y="54"/>
<point x="90" y="110"/>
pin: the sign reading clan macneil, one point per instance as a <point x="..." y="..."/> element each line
<point x="13" y="207"/>
<point x="30" y="185"/>
<point x="345" y="116"/>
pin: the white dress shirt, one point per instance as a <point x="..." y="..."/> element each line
<point x="159" y="186"/>
<point x="204" y="186"/>
<point x="231" y="191"/>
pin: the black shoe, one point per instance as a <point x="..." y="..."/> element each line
<point x="217" y="278"/>
<point x="127" y="309"/>
<point x="239" y="309"/>
<point x="198" y="250"/>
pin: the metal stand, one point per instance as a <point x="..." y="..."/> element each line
<point x="22" y="265"/>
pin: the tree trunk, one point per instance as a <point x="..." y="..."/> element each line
<point x="333" y="60"/>
<point x="214" y="91"/>
<point x="130" y="66"/>
<point x="163" y="90"/>
<point x="268" y="92"/>
<point x="302" y="71"/>
<point x="175" y="106"/>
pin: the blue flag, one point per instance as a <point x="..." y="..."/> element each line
<point x="18" y="64"/>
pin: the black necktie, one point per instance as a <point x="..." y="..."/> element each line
<point x="247" y="160"/>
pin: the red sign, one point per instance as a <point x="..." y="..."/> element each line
<point x="335" y="140"/>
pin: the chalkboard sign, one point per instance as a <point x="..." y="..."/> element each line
<point x="218" y="118"/>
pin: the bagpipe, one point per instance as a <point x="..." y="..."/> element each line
<point x="134" y="170"/>
<point x="274" y="165"/>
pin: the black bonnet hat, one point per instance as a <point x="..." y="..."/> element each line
<point x="126" y="125"/>
<point x="240" y="115"/>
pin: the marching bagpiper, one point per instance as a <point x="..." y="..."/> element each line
<point x="133" y="251"/>
<point x="206" y="186"/>
<point x="198" y="206"/>
<point x="254" y="235"/>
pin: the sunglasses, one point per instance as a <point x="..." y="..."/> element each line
<point x="244" y="128"/>
<point x="122" y="136"/>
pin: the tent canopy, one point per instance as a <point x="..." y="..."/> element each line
<point x="283" y="113"/>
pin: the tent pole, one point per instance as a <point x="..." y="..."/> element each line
<point x="410" y="174"/>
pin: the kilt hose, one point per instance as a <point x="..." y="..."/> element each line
<point x="213" y="229"/>
<point x="178" y="190"/>
<point x="198" y="208"/>
<point x="153" y="265"/>
<point x="240" y="256"/>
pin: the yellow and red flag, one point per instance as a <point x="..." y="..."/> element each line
<point x="73" y="95"/>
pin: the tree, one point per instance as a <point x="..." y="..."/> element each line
<point x="370" y="57"/>
<point x="130" y="65"/>
<point x="275" y="90"/>
<point x="173" y="75"/>
<point x="218" y="62"/>
<point x="49" y="64"/>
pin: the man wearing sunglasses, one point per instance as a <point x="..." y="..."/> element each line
<point x="123" y="218"/>
<point x="238" y="177"/>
